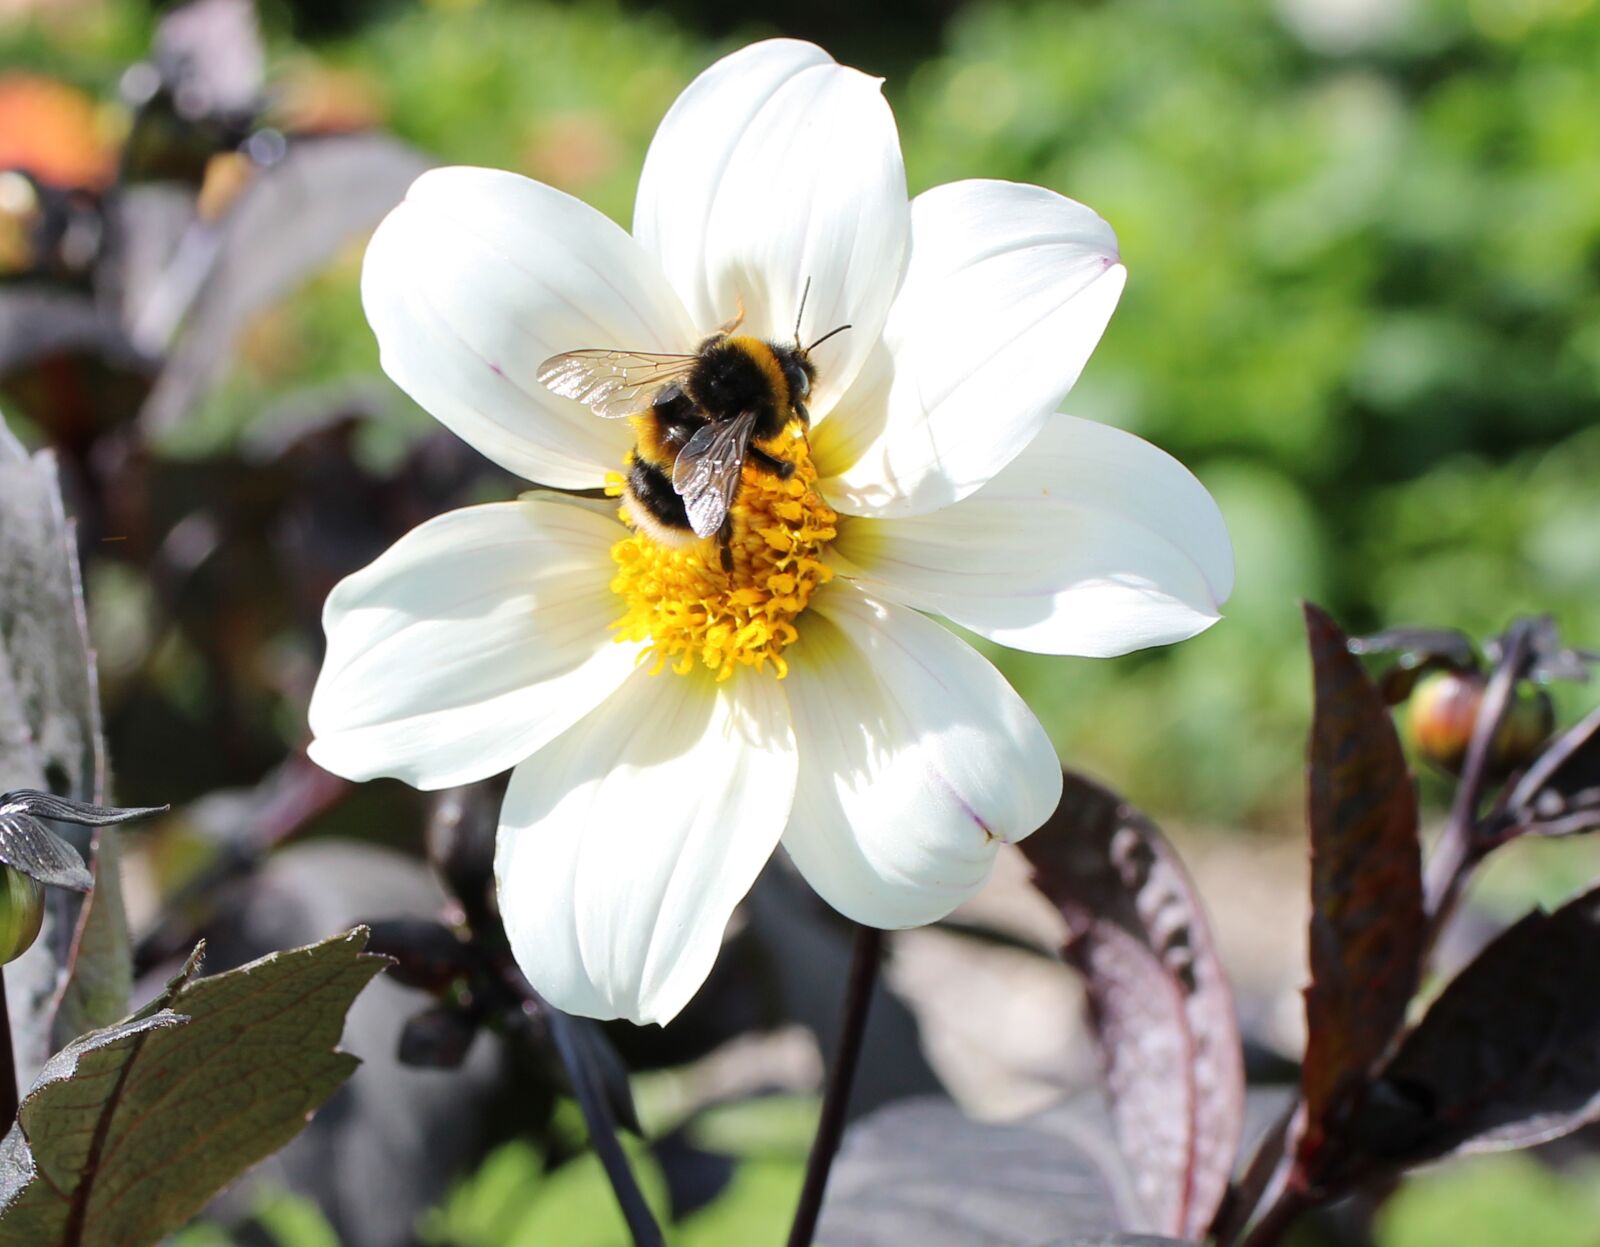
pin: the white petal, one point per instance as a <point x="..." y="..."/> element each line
<point x="774" y="167"/>
<point x="1092" y="542"/>
<point x="468" y="644"/>
<point x="476" y="279"/>
<point x="626" y="844"/>
<point x="916" y="761"/>
<point x="1007" y="291"/>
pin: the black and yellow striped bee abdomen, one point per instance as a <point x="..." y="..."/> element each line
<point x="652" y="497"/>
<point x="662" y="432"/>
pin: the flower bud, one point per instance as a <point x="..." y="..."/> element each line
<point x="1444" y="708"/>
<point x="21" y="913"/>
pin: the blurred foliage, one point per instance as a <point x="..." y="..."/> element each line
<point x="1364" y="241"/>
<point x="1364" y="238"/>
<point x="280" y="1219"/>
<point x="513" y="1201"/>
<point x="1486" y="1201"/>
<point x="757" y="1148"/>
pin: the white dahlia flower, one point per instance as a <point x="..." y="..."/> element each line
<point x="670" y="723"/>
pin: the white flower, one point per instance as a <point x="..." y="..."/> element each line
<point x="891" y="759"/>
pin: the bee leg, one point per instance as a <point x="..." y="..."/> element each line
<point x="781" y="468"/>
<point x="728" y="327"/>
<point x="725" y="543"/>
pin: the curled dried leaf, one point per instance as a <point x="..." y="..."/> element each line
<point x="27" y="845"/>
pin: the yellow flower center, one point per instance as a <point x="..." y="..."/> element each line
<point x="690" y="611"/>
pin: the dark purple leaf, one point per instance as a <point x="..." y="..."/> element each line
<point x="1116" y="1240"/>
<point x="460" y="841"/>
<point x="1549" y="658"/>
<point x="1416" y="652"/>
<point x="1414" y="645"/>
<point x="1509" y="1055"/>
<point x="427" y="955"/>
<point x="1366" y="886"/>
<point x="291" y="220"/>
<point x="151" y="245"/>
<point x="437" y="1038"/>
<point x="40" y="321"/>
<point x="921" y="1172"/>
<point x="209" y="56"/>
<point x="1162" y="1008"/>
<point x="240" y="827"/>
<point x="1560" y="793"/>
<point x="49" y="711"/>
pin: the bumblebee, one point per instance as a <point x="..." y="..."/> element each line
<point x="700" y="418"/>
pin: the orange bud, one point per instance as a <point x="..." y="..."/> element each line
<point x="1444" y="707"/>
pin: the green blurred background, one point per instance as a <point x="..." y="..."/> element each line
<point x="1364" y="306"/>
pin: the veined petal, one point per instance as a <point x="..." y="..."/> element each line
<point x="476" y="279"/>
<point x="777" y="166"/>
<point x="1093" y="542"/>
<point x="1007" y="291"/>
<point x="626" y="843"/>
<point x="468" y="644"/>
<point x="917" y="760"/>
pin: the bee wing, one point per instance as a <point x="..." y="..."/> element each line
<point x="706" y="473"/>
<point x="612" y="383"/>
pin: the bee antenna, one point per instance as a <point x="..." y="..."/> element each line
<point x="826" y="336"/>
<point x="801" y="313"/>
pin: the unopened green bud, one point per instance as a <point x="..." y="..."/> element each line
<point x="1527" y="726"/>
<point x="21" y="913"/>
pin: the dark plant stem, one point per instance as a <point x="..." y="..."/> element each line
<point x="1459" y="849"/>
<point x="1266" y="1174"/>
<point x="836" y="1099"/>
<point x="1275" y="1222"/>
<point x="603" y="1131"/>
<point x="8" y="1064"/>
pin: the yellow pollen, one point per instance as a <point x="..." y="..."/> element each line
<point x="691" y="612"/>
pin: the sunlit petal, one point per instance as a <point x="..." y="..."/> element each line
<point x="626" y="844"/>
<point x="777" y="167"/>
<point x="1093" y="542"/>
<point x="917" y="760"/>
<point x="1007" y="291"/>
<point x="476" y="279"/>
<point x="468" y="644"/>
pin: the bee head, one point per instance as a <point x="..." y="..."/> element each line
<point x="798" y="371"/>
